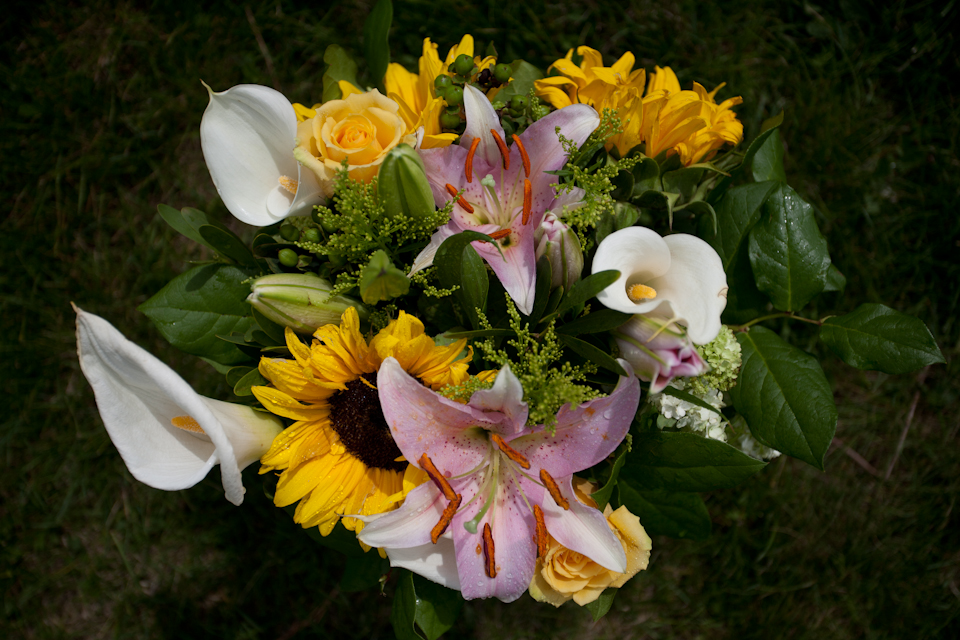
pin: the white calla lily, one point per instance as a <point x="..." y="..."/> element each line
<point x="679" y="276"/>
<point x="168" y="435"/>
<point x="248" y="134"/>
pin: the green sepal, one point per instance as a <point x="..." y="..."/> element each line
<point x="877" y="337"/>
<point x="380" y="280"/>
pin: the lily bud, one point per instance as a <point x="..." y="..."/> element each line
<point x="658" y="350"/>
<point x="560" y="244"/>
<point x="300" y="301"/>
<point x="402" y="184"/>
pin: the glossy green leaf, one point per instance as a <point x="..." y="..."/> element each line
<point x="686" y="462"/>
<point x="768" y="161"/>
<point x="787" y="251"/>
<point x="474" y="281"/>
<point x="785" y="398"/>
<point x="449" y="266"/>
<point x="380" y="280"/>
<point x="737" y="212"/>
<point x="340" y="66"/>
<point x="176" y="220"/>
<point x="744" y="300"/>
<point x="599" y="607"/>
<point x="879" y="338"/>
<point x="234" y="374"/>
<point x="594" y="354"/>
<point x="247" y="382"/>
<point x="363" y="572"/>
<point x="703" y="209"/>
<point x="667" y="513"/>
<point x="683" y="181"/>
<point x="646" y="176"/>
<point x="595" y="322"/>
<point x="376" y="44"/>
<point x="602" y="495"/>
<point x="423" y="609"/>
<point x="197" y="306"/>
<point x="586" y="289"/>
<point x="769" y="126"/>
<point x="836" y="281"/>
<point x="269" y="327"/>
<point x="228" y="245"/>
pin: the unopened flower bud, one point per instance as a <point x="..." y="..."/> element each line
<point x="300" y="301"/>
<point x="658" y="350"/>
<point x="560" y="244"/>
<point x="402" y="184"/>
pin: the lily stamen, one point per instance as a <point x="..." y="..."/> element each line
<point x="541" y="531"/>
<point x="489" y="562"/>
<point x="527" y="200"/>
<point x="427" y="465"/>
<point x="523" y="154"/>
<point x="554" y="490"/>
<point x="502" y="233"/>
<point x="504" y="152"/>
<point x="452" y="190"/>
<point x="508" y="451"/>
<point x="445" y="518"/>
<point x="468" y="165"/>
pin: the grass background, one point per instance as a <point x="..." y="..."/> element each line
<point x="100" y="108"/>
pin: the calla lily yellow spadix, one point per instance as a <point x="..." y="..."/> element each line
<point x="168" y="435"/>
<point x="248" y="134"/>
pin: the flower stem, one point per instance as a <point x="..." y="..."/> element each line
<point x="791" y="315"/>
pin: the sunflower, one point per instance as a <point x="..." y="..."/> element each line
<point x="338" y="458"/>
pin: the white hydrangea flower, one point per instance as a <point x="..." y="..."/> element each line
<point x="750" y="445"/>
<point x="690" y="416"/>
<point x="724" y="357"/>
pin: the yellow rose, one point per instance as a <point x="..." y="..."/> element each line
<point x="562" y="574"/>
<point x="360" y="129"/>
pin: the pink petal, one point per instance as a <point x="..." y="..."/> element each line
<point x="576" y="123"/>
<point x="506" y="396"/>
<point x="585" y="435"/>
<point x="583" y="529"/>
<point x="517" y="268"/>
<point x="422" y="421"/>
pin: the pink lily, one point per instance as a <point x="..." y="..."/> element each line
<point x="498" y="486"/>
<point x="506" y="191"/>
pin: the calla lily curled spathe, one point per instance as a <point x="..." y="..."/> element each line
<point x="168" y="435"/>
<point x="498" y="487"/>
<point x="248" y="134"/>
<point x="678" y="276"/>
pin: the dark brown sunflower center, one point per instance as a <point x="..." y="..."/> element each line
<point x="356" y="416"/>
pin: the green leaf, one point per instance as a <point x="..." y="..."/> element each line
<point x="599" y="607"/>
<point x="737" y="212"/>
<point x="176" y="220"/>
<point x="744" y="300"/>
<point x="197" y="306"/>
<point x="449" y="263"/>
<point x="340" y="66"/>
<point x="423" y="609"/>
<point x="402" y="184"/>
<point x="836" y="281"/>
<point x="380" y="280"/>
<point x="703" y="209"/>
<point x="376" y="45"/>
<point x="542" y="290"/>
<point x="596" y="322"/>
<point x="363" y="572"/>
<point x="769" y="126"/>
<point x="594" y="354"/>
<point x="602" y="496"/>
<point x="879" y="338"/>
<point x="481" y="333"/>
<point x="524" y="74"/>
<point x="768" y="161"/>
<point x="785" y="398"/>
<point x="474" y="281"/>
<point x="683" y="181"/>
<point x="646" y="176"/>
<point x="227" y="244"/>
<point x="667" y="513"/>
<point x="251" y="379"/>
<point x="586" y="289"/>
<point x="787" y="251"/>
<point x="273" y="330"/>
<point x="234" y="374"/>
<point x="686" y="462"/>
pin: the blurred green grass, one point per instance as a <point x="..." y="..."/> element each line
<point x="100" y="109"/>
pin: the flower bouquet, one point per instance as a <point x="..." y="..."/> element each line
<point x="496" y="327"/>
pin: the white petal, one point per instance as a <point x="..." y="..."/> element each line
<point x="247" y="134"/>
<point x="437" y="562"/>
<point x="505" y="396"/>
<point x="481" y="118"/>
<point x="696" y="286"/>
<point x="640" y="255"/>
<point x="425" y="258"/>
<point x="138" y="396"/>
<point x="583" y="529"/>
